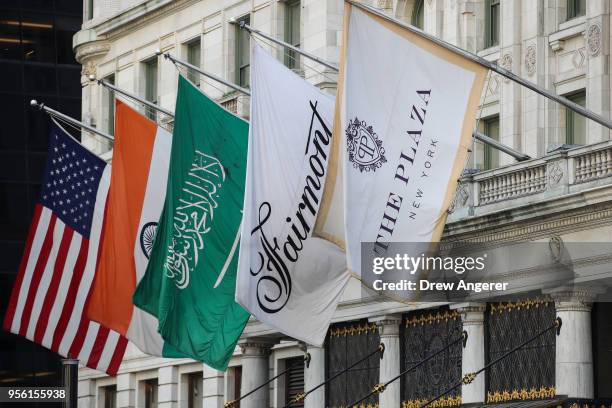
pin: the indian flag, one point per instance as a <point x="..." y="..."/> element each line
<point x="141" y="156"/>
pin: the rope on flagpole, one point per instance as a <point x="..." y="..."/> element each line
<point x="380" y="388"/>
<point x="232" y="404"/>
<point x="302" y="396"/>
<point x="470" y="377"/>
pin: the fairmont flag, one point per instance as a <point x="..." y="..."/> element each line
<point x="190" y="281"/>
<point x="286" y="278"/>
<point x="141" y="155"/>
<point x="59" y="260"/>
<point x="402" y="128"/>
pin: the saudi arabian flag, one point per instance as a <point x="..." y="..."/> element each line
<point x="190" y="281"/>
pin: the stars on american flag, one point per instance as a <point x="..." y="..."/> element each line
<point x="71" y="182"/>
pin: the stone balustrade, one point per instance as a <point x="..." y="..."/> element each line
<point x="536" y="180"/>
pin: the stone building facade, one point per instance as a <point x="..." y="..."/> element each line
<point x="564" y="193"/>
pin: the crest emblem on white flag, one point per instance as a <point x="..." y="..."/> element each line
<point x="403" y="123"/>
<point x="287" y="278"/>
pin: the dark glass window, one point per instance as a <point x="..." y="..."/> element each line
<point x="194" y="390"/>
<point x="38" y="37"/>
<point x="194" y="58"/>
<point x="10" y="34"/>
<point x="492" y="21"/>
<point x="575" y="124"/>
<point x="292" y="32"/>
<point x="575" y="8"/>
<point x="150" y="393"/>
<point x="109" y="394"/>
<point x="418" y="14"/>
<point x="243" y="52"/>
<point x="40" y="79"/>
<point x="11" y="117"/>
<point x="150" y="73"/>
<point x="66" y="27"/>
<point x="10" y="77"/>
<point x="491" y="155"/>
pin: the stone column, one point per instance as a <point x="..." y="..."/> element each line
<point x="388" y="327"/>
<point x="255" y="366"/>
<point x="473" y="354"/>
<point x="314" y="375"/>
<point x="212" y="394"/>
<point x="126" y="390"/>
<point x="86" y="394"/>
<point x="167" y="387"/>
<point x="574" y="349"/>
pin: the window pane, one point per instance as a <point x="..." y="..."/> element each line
<point x="491" y="128"/>
<point x="418" y="14"/>
<point x="40" y="80"/>
<point x="10" y="76"/>
<point x="14" y="219"/>
<point x="292" y="33"/>
<point x="12" y="133"/>
<point x="69" y="80"/>
<point x="576" y="123"/>
<point x="151" y="86"/>
<point x="12" y="166"/>
<point x="38" y="37"/>
<point x="65" y="29"/>
<point x="193" y="57"/>
<point x="10" y="39"/>
<point x="242" y="54"/>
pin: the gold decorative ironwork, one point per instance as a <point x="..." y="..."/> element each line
<point x="433" y="318"/>
<point x="299" y="397"/>
<point x="379" y="388"/>
<point x="522" y="394"/>
<point x="523" y="304"/>
<point x="468" y="378"/>
<point x="443" y="402"/>
<point x="362" y="405"/>
<point x="353" y="330"/>
<point x="230" y="404"/>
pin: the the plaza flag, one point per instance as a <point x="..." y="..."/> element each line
<point x="141" y="154"/>
<point x="59" y="260"/>
<point x="190" y="281"/>
<point x="287" y="278"/>
<point x="404" y="117"/>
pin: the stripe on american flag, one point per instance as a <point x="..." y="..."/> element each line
<point x="59" y="261"/>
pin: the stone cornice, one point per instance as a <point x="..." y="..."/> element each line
<point x="140" y="15"/>
<point x="580" y="211"/>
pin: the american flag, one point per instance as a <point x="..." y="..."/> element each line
<point x="59" y="260"/>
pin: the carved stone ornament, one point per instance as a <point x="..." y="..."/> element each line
<point x="555" y="174"/>
<point x="506" y="63"/>
<point x="530" y="60"/>
<point x="593" y="36"/>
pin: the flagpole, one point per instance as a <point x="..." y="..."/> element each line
<point x="490" y="65"/>
<point x="243" y="25"/>
<point x="69" y="119"/>
<point x="70" y="370"/>
<point x="501" y="147"/>
<point x="136" y="98"/>
<point x="205" y="73"/>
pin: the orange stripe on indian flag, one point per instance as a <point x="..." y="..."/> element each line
<point x="110" y="301"/>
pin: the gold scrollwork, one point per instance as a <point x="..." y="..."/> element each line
<point x="522" y="394"/>
<point x="432" y="318"/>
<point x="362" y="405"/>
<point x="443" y="402"/>
<point x="353" y="330"/>
<point x="523" y="304"/>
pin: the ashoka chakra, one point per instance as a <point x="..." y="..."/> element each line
<point x="147" y="236"/>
